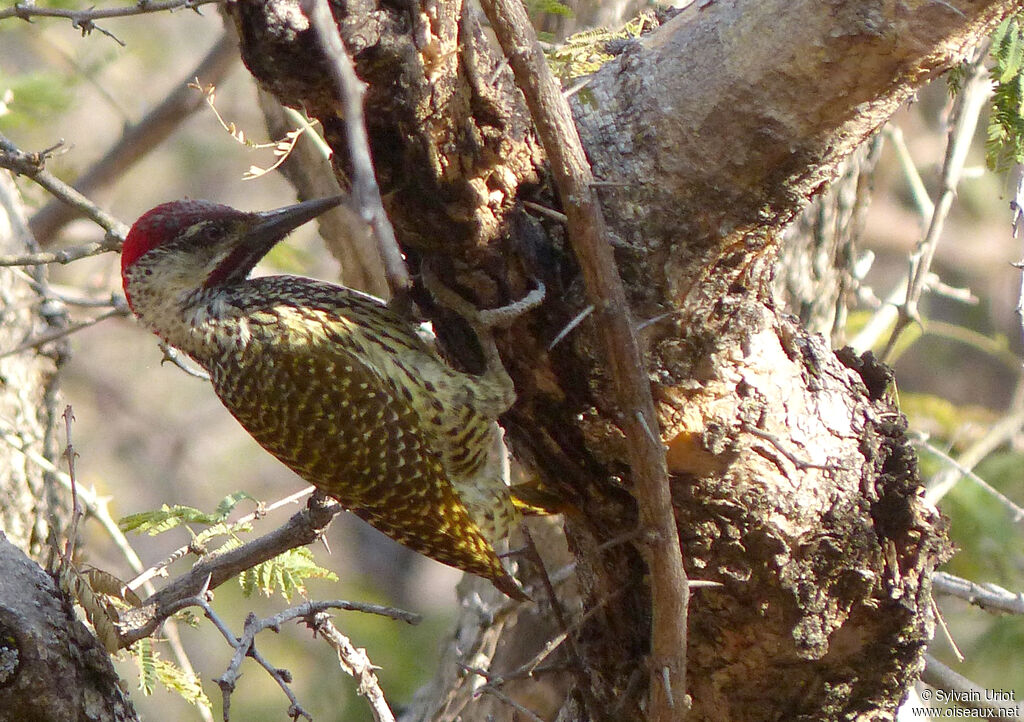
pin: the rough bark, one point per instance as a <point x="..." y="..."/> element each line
<point x="51" y="667"/>
<point x="792" y="480"/>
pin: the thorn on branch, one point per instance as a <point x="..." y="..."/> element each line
<point x="24" y="10"/>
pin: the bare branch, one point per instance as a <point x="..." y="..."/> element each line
<point x="84" y="18"/>
<point x="355" y="662"/>
<point x="1014" y="508"/>
<point x="987" y="596"/>
<point x="530" y="714"/>
<point x="76" y="509"/>
<point x="314" y="613"/>
<point x="1000" y="432"/>
<point x="65" y="255"/>
<point x="969" y="105"/>
<point x="95" y="504"/>
<point x="589" y="238"/>
<point x="969" y="694"/>
<point x="159" y="569"/>
<point x="365" y="191"/>
<point x="32" y="166"/>
<point x="244" y="647"/>
<point x="45" y="338"/>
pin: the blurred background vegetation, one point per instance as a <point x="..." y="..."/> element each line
<point x="150" y="435"/>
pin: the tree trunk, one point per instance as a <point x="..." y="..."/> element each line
<point x="793" y="483"/>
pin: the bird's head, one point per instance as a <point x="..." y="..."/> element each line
<point x="185" y="246"/>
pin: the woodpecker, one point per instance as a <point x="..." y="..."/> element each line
<point x="329" y="380"/>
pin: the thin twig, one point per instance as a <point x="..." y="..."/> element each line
<point x="76" y="508"/>
<point x="29" y="10"/>
<point x="1014" y="508"/>
<point x="244" y="647"/>
<point x="63" y="256"/>
<point x="969" y="104"/>
<point x="589" y="238"/>
<point x="95" y="505"/>
<point x="530" y="714"/>
<point x="1000" y="432"/>
<point x="918" y="190"/>
<point x="365" y="191"/>
<point x="45" y="338"/>
<point x="579" y="671"/>
<point x="139" y="139"/>
<point x="72" y="295"/>
<point x="545" y="211"/>
<point x="945" y="631"/>
<point x="567" y="329"/>
<point x="32" y="165"/>
<point x="355" y="663"/>
<point x="987" y="596"/>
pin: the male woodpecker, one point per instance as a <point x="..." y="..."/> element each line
<point x="328" y="380"/>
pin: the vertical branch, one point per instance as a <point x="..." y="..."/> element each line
<point x="588" y="235"/>
<point x="364" y="182"/>
<point x="970" y="103"/>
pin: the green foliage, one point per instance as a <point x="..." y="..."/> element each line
<point x="548" y="7"/>
<point x="167" y="517"/>
<point x="1005" y="143"/>
<point x="153" y="670"/>
<point x="145" y="659"/>
<point x="287" y="573"/>
<point x="585" y="52"/>
<point x="955" y="78"/>
<point x="31" y="97"/>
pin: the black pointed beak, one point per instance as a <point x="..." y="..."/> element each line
<point x="272" y="226"/>
<point x="265" y="230"/>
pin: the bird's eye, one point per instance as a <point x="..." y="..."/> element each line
<point x="205" y="233"/>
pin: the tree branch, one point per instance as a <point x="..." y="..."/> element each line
<point x="365" y="191"/>
<point x="589" y="238"/>
<point x="355" y="662"/>
<point x="990" y="597"/>
<point x="29" y="10"/>
<point x="32" y="165"/>
<point x="302" y="528"/>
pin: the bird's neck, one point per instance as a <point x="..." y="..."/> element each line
<point x="201" y="322"/>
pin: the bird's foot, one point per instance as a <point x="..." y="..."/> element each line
<point x="499" y="387"/>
